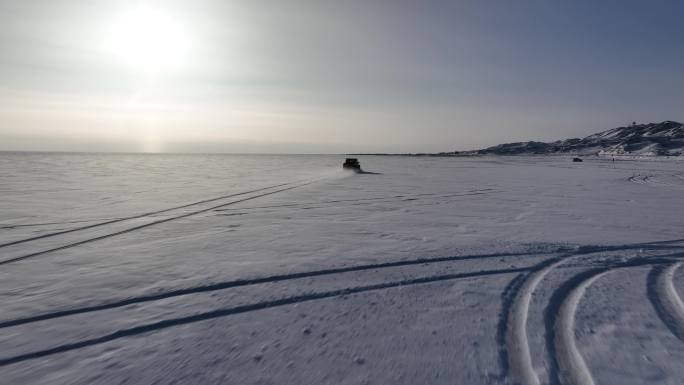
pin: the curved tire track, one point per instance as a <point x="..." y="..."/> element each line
<point x="665" y="299"/>
<point x="638" y="179"/>
<point x="568" y="365"/>
<point x="571" y="369"/>
<point x="240" y="283"/>
<point x="517" y="346"/>
<point x="516" y="351"/>
<point x="155" y="326"/>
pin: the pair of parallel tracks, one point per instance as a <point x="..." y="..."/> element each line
<point x="15" y="251"/>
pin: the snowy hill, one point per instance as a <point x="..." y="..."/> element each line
<point x="665" y="138"/>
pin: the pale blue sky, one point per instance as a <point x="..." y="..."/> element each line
<point x="333" y="76"/>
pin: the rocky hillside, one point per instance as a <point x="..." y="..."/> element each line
<point x="665" y="138"/>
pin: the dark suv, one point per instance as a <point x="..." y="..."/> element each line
<point x="351" y="164"/>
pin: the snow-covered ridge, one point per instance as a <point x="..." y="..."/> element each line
<point x="664" y="138"/>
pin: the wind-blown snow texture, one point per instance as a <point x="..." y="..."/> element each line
<point x="223" y="269"/>
<point x="664" y="138"/>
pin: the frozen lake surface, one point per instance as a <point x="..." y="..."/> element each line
<point x="236" y="269"/>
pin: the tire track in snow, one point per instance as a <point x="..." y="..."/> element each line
<point x="148" y="328"/>
<point x="665" y="299"/>
<point x="10" y="226"/>
<point x="116" y="220"/>
<point x="516" y="357"/>
<point x="638" y="179"/>
<point x="145" y="225"/>
<point x="218" y="313"/>
<point x="517" y="349"/>
<point x="664" y="180"/>
<point x="217" y="208"/>
<point x="570" y="367"/>
<point x="657" y="180"/>
<point x="244" y="282"/>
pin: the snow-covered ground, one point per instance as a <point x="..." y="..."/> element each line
<point x="223" y="269"/>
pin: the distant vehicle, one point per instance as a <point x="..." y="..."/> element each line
<point x="352" y="164"/>
<point x="577" y="160"/>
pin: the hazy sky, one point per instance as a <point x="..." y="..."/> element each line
<point x="331" y="76"/>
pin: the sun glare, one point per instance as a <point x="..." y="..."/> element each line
<point x="149" y="40"/>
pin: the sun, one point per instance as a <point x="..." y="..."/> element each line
<point x="149" y="40"/>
